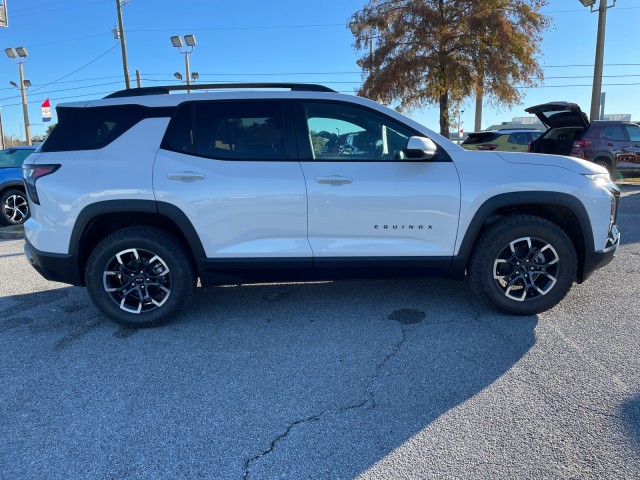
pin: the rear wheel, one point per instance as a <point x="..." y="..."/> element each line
<point x="15" y="208"/>
<point x="523" y="264"/>
<point x="140" y="276"/>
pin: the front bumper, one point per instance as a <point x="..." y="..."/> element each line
<point x="596" y="260"/>
<point x="54" y="266"/>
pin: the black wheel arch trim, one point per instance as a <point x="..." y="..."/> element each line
<point x="171" y="212"/>
<point x="515" y="199"/>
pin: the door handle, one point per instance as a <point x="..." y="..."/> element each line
<point x="334" y="180"/>
<point x="185" y="176"/>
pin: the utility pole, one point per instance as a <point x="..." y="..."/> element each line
<point x="123" y="45"/>
<point x="599" y="62"/>
<point x="138" y="81"/>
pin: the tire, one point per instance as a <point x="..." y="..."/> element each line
<point x="140" y="276"/>
<point x="603" y="163"/>
<point x="523" y="264"/>
<point x="14" y="208"/>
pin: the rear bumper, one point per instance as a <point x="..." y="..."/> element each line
<point x="54" y="266"/>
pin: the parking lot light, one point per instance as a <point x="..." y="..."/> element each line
<point x="190" y="41"/>
<point x="19" y="56"/>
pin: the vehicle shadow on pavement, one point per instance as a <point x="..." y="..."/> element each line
<point x="320" y="380"/>
<point x="630" y="414"/>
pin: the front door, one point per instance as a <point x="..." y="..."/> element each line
<point x="371" y="210"/>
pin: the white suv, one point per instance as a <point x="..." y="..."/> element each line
<point x="141" y="193"/>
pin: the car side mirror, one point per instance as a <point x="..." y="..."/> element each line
<point x="421" y="148"/>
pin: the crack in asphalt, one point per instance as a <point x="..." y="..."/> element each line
<point x="370" y="401"/>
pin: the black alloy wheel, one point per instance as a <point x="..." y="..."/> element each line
<point x="523" y="264"/>
<point x="140" y="276"/>
<point x="15" y="207"/>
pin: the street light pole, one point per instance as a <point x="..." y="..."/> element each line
<point x="190" y="41"/>
<point x="19" y="56"/>
<point x="25" y="111"/>
<point x="186" y="67"/>
<point x="123" y="46"/>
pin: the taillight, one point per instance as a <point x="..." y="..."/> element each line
<point x="31" y="173"/>
<point x="581" y="144"/>
<point x="488" y="146"/>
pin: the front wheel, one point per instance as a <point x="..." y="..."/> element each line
<point x="140" y="276"/>
<point x="523" y="264"/>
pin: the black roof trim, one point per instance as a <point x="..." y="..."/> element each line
<point x="294" y="87"/>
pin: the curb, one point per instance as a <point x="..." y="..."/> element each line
<point x="14" y="232"/>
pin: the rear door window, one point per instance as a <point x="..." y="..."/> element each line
<point x="520" y="138"/>
<point x="230" y="130"/>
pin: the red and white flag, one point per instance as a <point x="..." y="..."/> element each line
<point x="46" y="111"/>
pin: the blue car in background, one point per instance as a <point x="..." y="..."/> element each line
<point x="14" y="208"/>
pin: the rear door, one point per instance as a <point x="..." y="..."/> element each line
<point x="231" y="167"/>
<point x="372" y="211"/>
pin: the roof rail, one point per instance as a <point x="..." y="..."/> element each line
<point x="163" y="90"/>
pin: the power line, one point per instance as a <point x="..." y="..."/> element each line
<point x="38" y="11"/>
<point x="70" y="40"/>
<point x="77" y="69"/>
<point x="96" y="94"/>
<point x="255" y="27"/>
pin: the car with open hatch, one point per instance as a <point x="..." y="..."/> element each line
<point x="139" y="195"/>
<point x="612" y="144"/>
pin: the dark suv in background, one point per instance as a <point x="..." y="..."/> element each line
<point x="614" y="145"/>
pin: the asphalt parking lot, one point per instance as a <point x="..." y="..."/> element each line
<point x="371" y="380"/>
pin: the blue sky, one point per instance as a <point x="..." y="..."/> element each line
<point x="73" y="55"/>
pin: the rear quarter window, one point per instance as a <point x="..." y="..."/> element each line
<point x="91" y="128"/>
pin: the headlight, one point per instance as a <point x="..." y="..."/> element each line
<point x="603" y="180"/>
